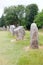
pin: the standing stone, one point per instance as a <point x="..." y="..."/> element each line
<point x="7" y="28"/>
<point x="34" y="36"/>
<point x="4" y="28"/>
<point x="12" y="27"/>
<point x="19" y="32"/>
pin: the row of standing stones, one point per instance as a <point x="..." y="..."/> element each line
<point x="20" y="33"/>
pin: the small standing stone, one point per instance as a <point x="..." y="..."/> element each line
<point x="7" y="28"/>
<point x="12" y="27"/>
<point x="34" y="36"/>
<point x="4" y="28"/>
<point x="19" y="32"/>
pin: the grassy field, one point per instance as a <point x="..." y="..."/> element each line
<point x="14" y="52"/>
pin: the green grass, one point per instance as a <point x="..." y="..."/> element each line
<point x="41" y="36"/>
<point x="32" y="57"/>
<point x="13" y="53"/>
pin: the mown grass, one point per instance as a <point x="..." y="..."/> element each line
<point x="13" y="53"/>
<point x="32" y="57"/>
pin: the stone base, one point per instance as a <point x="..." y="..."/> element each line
<point x="34" y="44"/>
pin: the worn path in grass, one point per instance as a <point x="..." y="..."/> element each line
<point x="10" y="50"/>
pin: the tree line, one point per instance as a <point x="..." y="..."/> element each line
<point x="22" y="15"/>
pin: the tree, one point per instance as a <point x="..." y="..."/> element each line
<point x="31" y="11"/>
<point x="10" y="15"/>
<point x="2" y="21"/>
<point x="39" y="20"/>
<point x="15" y="15"/>
<point x="20" y="10"/>
<point x="20" y="15"/>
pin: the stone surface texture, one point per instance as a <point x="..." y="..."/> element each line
<point x="12" y="27"/>
<point x="33" y="36"/>
<point x="19" y="32"/>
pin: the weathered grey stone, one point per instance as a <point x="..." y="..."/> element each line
<point x="33" y="36"/>
<point x="19" y="32"/>
<point x="12" y="27"/>
<point x="7" y="28"/>
<point x="4" y="28"/>
<point x="1" y="28"/>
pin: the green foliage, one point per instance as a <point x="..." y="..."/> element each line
<point x="2" y="21"/>
<point x="10" y="15"/>
<point x="31" y="11"/>
<point x="14" y="15"/>
<point x="20" y="10"/>
<point x="19" y="15"/>
<point x="39" y="19"/>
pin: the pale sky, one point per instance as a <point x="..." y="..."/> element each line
<point x="6" y="3"/>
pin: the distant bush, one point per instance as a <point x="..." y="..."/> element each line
<point x="39" y="20"/>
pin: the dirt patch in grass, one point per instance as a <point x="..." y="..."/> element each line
<point x="13" y="40"/>
<point x="28" y="48"/>
<point x="40" y="33"/>
<point x="40" y="47"/>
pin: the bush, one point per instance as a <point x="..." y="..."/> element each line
<point x="39" y="20"/>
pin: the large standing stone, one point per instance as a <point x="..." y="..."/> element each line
<point x="19" y="32"/>
<point x="34" y="36"/>
<point x="12" y="27"/>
